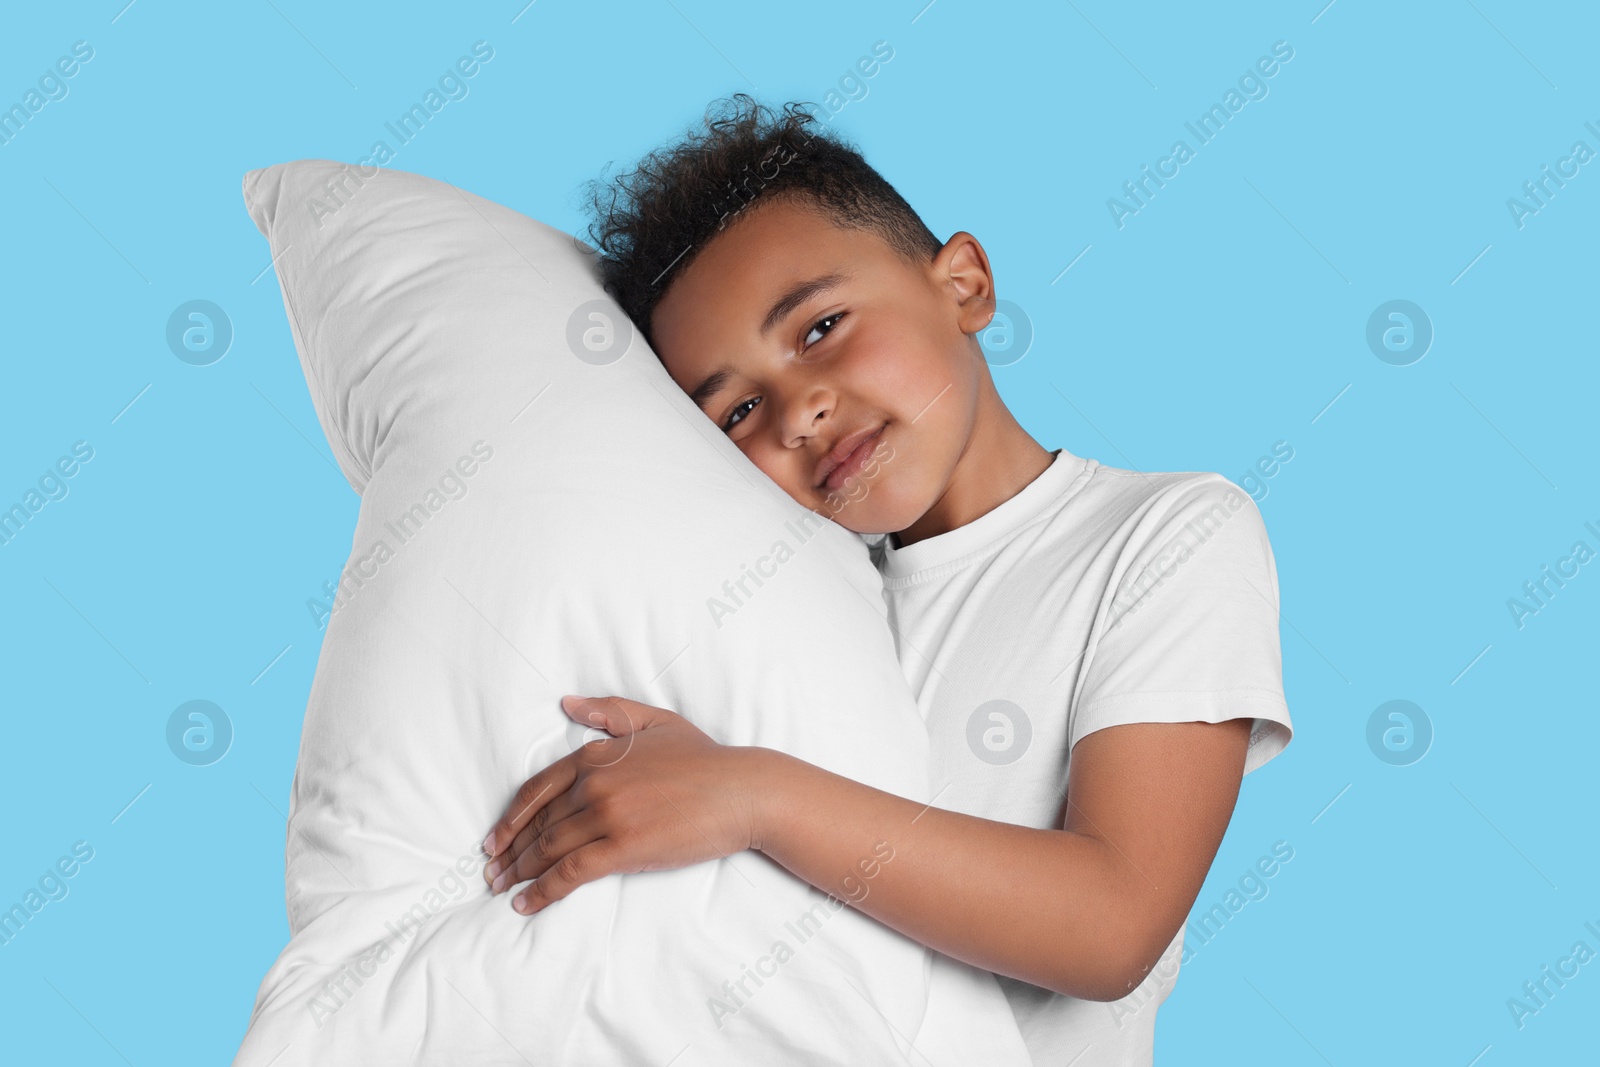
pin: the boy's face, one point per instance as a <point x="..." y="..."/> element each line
<point x="882" y="354"/>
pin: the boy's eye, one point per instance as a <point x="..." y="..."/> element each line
<point x="834" y="319"/>
<point x="740" y="412"/>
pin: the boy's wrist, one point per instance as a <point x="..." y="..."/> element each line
<point x="770" y="774"/>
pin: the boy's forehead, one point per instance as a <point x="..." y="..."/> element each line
<point x="763" y="245"/>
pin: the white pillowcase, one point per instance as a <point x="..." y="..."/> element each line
<point x="543" y="514"/>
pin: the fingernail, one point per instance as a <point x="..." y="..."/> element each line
<point x="488" y="844"/>
<point x="520" y="904"/>
<point x="500" y="881"/>
<point x="493" y="868"/>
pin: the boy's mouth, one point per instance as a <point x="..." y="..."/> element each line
<point x="847" y="457"/>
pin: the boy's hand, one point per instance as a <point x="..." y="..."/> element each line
<point x="657" y="795"/>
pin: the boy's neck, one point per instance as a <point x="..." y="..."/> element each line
<point x="999" y="461"/>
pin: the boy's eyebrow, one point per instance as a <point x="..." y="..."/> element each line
<point x="709" y="386"/>
<point x="799" y="294"/>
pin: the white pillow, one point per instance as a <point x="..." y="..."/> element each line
<point x="544" y="512"/>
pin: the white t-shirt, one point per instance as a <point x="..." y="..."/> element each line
<point x="1094" y="597"/>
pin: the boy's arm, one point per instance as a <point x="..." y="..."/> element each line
<point x="1086" y="910"/>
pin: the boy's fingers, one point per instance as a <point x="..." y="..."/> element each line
<point x="534" y="794"/>
<point x="588" y="711"/>
<point x="548" y="815"/>
<point x="593" y="861"/>
<point x="547" y="848"/>
<point x="617" y="716"/>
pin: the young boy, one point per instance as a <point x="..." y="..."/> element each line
<point x="1095" y="650"/>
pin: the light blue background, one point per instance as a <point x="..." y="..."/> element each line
<point x="1224" y="317"/>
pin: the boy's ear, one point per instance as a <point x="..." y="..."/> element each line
<point x="963" y="267"/>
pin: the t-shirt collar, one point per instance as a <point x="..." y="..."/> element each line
<point x="988" y="528"/>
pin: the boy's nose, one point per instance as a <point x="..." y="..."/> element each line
<point x="806" y="415"/>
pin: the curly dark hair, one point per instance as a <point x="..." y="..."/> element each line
<point x="652" y="222"/>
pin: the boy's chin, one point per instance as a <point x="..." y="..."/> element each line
<point x="865" y="506"/>
<point x="857" y="518"/>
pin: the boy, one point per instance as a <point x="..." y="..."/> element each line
<point x="1053" y="615"/>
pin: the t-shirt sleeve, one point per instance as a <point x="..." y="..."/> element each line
<point x="1187" y="630"/>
